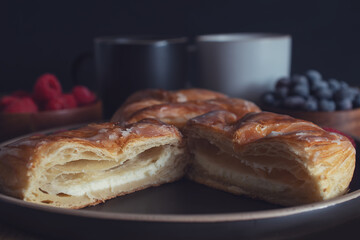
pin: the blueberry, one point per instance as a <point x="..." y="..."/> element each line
<point x="327" y="105"/>
<point x="300" y="90"/>
<point x="313" y="82"/>
<point x="345" y="93"/>
<point x="343" y="85"/>
<point x="294" y="102"/>
<point x="311" y="98"/>
<point x="281" y="92"/>
<point x="311" y="104"/>
<point x="313" y="75"/>
<point x="299" y="80"/>
<point x="334" y="84"/>
<point x="269" y="99"/>
<point x="323" y="93"/>
<point x="341" y="94"/>
<point x="354" y="92"/>
<point x="283" y="82"/>
<point x="344" y="104"/>
<point x="318" y="84"/>
<point x="356" y="101"/>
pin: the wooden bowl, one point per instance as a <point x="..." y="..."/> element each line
<point x="16" y="124"/>
<point x="347" y="121"/>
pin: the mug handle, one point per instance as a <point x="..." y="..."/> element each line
<point x="77" y="63"/>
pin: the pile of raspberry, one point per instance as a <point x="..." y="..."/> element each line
<point x="47" y="95"/>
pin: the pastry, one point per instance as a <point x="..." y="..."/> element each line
<point x="177" y="107"/>
<point x="269" y="156"/>
<point x="82" y="167"/>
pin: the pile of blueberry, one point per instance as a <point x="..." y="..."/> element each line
<point x="310" y="92"/>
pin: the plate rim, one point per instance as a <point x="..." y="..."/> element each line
<point x="185" y="218"/>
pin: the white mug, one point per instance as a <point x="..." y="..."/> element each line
<point x="242" y="64"/>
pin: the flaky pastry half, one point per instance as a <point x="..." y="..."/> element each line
<point x="269" y="156"/>
<point x="82" y="167"/>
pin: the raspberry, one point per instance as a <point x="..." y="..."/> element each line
<point x="21" y="105"/>
<point x="21" y="94"/>
<point x="65" y="101"/>
<point x="337" y="131"/>
<point x="83" y="95"/>
<point x="47" y="87"/>
<point x="55" y="104"/>
<point x="70" y="101"/>
<point x="5" y="101"/>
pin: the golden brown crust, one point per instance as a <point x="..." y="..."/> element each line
<point x="177" y="107"/>
<point x="183" y="95"/>
<point x="109" y="136"/>
<point x="267" y="126"/>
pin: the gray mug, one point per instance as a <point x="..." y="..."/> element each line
<point x="242" y="64"/>
<point x="125" y="64"/>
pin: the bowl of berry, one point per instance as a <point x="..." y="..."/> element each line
<point x="47" y="106"/>
<point x="326" y="102"/>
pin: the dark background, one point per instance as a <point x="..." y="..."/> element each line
<point x="46" y="36"/>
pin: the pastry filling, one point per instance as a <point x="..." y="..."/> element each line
<point x="256" y="170"/>
<point x="81" y="177"/>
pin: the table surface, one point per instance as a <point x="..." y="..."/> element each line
<point x="11" y="233"/>
<point x="348" y="231"/>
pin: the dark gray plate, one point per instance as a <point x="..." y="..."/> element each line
<point x="183" y="210"/>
